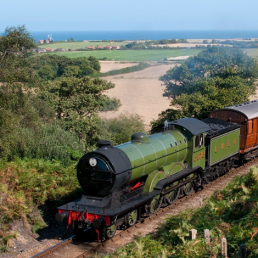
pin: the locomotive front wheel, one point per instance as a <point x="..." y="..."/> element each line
<point x="155" y="204"/>
<point x="131" y="218"/>
<point x="110" y="231"/>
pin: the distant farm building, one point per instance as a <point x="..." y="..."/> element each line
<point x="41" y="50"/>
<point x="115" y="47"/>
<point x="50" y="49"/>
<point x="60" y="50"/>
<point x="107" y="47"/>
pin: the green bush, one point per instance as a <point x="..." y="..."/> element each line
<point x="111" y="104"/>
<point x="119" y="130"/>
<point x="30" y="182"/>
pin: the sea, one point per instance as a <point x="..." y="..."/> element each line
<point x="144" y="34"/>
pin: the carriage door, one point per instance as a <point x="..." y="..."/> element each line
<point x="251" y="134"/>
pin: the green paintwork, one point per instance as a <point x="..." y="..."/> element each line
<point x="230" y="141"/>
<point x="152" y="180"/>
<point x="196" y="155"/>
<point x="163" y="152"/>
<point x="160" y="155"/>
<point x="174" y="167"/>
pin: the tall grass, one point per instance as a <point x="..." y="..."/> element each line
<point x="25" y="184"/>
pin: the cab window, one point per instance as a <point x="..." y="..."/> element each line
<point x="199" y="140"/>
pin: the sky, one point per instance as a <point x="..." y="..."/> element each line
<point x="101" y="15"/>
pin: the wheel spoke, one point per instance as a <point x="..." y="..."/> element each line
<point x="188" y="188"/>
<point x="110" y="231"/>
<point x="131" y="218"/>
<point x="155" y="204"/>
<point x="172" y="196"/>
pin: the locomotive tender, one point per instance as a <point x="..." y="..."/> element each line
<point x="124" y="183"/>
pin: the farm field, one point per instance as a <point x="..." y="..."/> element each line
<point x="106" y="66"/>
<point x="85" y="44"/>
<point x="81" y="44"/>
<point x="139" y="92"/>
<point x="131" y="55"/>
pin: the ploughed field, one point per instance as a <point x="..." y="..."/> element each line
<point x="139" y="92"/>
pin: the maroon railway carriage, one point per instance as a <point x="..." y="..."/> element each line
<point x="246" y="115"/>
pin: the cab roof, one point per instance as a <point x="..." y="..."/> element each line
<point x="193" y="125"/>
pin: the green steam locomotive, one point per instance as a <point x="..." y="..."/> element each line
<point x="126" y="182"/>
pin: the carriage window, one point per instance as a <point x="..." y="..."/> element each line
<point x="176" y="143"/>
<point x="180" y="142"/>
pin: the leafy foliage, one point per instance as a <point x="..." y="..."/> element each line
<point x="26" y="131"/>
<point x="120" y="129"/>
<point x="49" y="67"/>
<point x="15" y="46"/>
<point x="76" y="103"/>
<point x="110" y="104"/>
<point x="215" y="78"/>
<point x="26" y="184"/>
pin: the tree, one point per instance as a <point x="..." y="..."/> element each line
<point x="72" y="70"/>
<point x="64" y="66"/>
<point x="47" y="72"/>
<point x="76" y="103"/>
<point x="94" y="63"/>
<point x="222" y="62"/>
<point x="15" y="46"/>
<point x="215" y="78"/>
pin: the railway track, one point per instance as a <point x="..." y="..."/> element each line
<point x="73" y="249"/>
